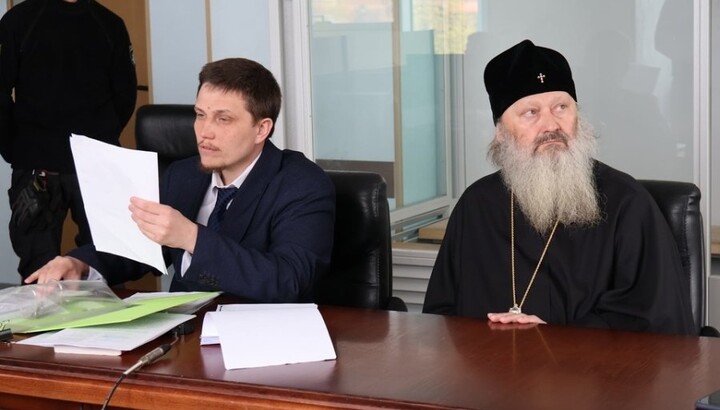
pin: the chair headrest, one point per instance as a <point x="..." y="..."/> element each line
<point x="361" y="210"/>
<point x="167" y="129"/>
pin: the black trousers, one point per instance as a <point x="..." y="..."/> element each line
<point x="36" y="246"/>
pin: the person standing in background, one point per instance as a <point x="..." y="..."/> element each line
<point x="66" y="66"/>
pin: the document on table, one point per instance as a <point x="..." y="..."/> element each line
<point x="210" y="335"/>
<point x="257" y="336"/>
<point x="108" y="177"/>
<point x="188" y="307"/>
<point x="111" y="339"/>
<point x="138" y="308"/>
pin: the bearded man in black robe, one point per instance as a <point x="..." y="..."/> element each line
<point x="555" y="236"/>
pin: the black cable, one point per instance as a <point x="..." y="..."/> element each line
<point x="150" y="357"/>
<point x="112" y="391"/>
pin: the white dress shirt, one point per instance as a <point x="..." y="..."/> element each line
<point x="209" y="203"/>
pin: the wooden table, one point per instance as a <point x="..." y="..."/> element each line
<point x="389" y="360"/>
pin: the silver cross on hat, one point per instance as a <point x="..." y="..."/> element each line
<point x="541" y="77"/>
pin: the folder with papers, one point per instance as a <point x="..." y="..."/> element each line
<point x="112" y="339"/>
<point x="68" y="304"/>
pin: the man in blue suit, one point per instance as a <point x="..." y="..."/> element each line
<point x="270" y="235"/>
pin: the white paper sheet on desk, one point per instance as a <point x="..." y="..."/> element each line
<point x="210" y="336"/>
<point x="256" y="338"/>
<point x="108" y="177"/>
<point x="112" y="339"/>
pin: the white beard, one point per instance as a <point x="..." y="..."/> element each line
<point x="556" y="184"/>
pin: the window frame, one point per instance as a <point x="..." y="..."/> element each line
<point x="298" y="106"/>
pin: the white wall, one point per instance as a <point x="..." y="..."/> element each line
<point x="178" y="49"/>
<point x="714" y="281"/>
<point x="179" y="44"/>
<point x="8" y="273"/>
<point x="715" y="115"/>
<point x="179" y="37"/>
<point x="240" y="29"/>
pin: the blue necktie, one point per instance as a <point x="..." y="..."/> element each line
<point x="224" y="195"/>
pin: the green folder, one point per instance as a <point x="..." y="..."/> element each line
<point x="102" y="313"/>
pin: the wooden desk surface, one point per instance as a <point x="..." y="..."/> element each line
<point x="391" y="360"/>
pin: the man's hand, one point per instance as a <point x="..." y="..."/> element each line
<point x="163" y="224"/>
<point x="508" y="317"/>
<point x="61" y="267"/>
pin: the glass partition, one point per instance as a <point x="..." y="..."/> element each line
<point x="379" y="97"/>
<point x="384" y="76"/>
<point x="632" y="63"/>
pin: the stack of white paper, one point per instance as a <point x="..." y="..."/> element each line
<point x="268" y="334"/>
<point x="112" y="339"/>
<point x="210" y="335"/>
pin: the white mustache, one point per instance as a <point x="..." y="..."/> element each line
<point x="552" y="136"/>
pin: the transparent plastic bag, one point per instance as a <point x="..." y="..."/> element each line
<point x="23" y="308"/>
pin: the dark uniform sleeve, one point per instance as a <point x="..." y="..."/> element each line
<point x="124" y="76"/>
<point x="8" y="73"/>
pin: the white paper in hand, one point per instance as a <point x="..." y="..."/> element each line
<point x="108" y="177"/>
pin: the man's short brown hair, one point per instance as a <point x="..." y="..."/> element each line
<point x="249" y="78"/>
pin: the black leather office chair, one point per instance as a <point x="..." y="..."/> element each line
<point x="168" y="130"/>
<point x="360" y="273"/>
<point x="679" y="202"/>
<point x="361" y="268"/>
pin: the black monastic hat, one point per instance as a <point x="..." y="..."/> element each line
<point x="522" y="70"/>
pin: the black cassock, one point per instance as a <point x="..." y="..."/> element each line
<point x="624" y="273"/>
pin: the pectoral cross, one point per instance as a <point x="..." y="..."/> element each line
<point x="541" y="77"/>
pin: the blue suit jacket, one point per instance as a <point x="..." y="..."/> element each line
<point x="274" y="241"/>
